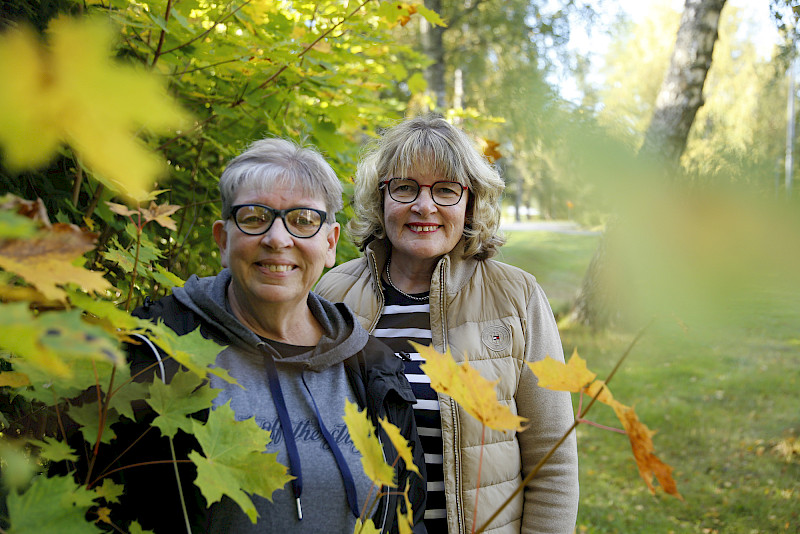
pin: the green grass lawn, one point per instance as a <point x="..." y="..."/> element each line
<point x="721" y="402"/>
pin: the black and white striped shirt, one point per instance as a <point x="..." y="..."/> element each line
<point x="404" y="319"/>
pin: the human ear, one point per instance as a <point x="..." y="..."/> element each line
<point x="332" y="239"/>
<point x="221" y="238"/>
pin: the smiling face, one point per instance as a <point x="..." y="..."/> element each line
<point x="422" y="231"/>
<point x="274" y="268"/>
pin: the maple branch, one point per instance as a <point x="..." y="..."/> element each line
<point x="563" y="438"/>
<point x="135" y="265"/>
<point x="76" y="187"/>
<point x="604" y="427"/>
<point x="95" y="199"/>
<point x="104" y="472"/>
<point x="143" y="464"/>
<point x="209" y="30"/>
<point x="162" y="36"/>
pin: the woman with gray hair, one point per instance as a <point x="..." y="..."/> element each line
<point x="427" y="218"/>
<point x="296" y="357"/>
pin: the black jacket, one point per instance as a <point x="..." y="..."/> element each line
<point x="152" y="497"/>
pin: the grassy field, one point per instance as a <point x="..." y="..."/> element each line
<point x="724" y="405"/>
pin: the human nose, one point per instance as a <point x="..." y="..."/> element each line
<point x="277" y="236"/>
<point x="424" y="202"/>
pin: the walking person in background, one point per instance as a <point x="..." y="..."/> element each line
<point x="427" y="218"/>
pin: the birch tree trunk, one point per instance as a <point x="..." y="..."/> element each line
<point x="679" y="98"/>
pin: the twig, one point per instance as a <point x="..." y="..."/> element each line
<point x="162" y="36"/>
<point x="209" y="30"/>
<point x="76" y="187"/>
<point x="563" y="438"/>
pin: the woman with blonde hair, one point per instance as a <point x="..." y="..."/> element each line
<point x="427" y="218"/>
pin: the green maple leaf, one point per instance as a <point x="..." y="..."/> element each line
<point x="173" y="402"/>
<point x="234" y="462"/>
<point x="191" y="350"/>
<point x="110" y="490"/>
<point x="89" y="418"/>
<point x="18" y="467"/>
<point x="54" y="450"/>
<point x="136" y="528"/>
<point x="129" y="392"/>
<point x="54" y="505"/>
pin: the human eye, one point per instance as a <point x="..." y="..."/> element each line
<point x="448" y="189"/>
<point x="304" y="218"/>
<point x="252" y="216"/>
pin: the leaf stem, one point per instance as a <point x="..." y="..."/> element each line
<point x="563" y="438"/>
<point x="135" y="263"/>
<point x="478" y="485"/>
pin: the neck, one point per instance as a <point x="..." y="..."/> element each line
<point x="290" y="323"/>
<point x="411" y="276"/>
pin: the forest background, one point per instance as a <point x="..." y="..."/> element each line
<point x="127" y="103"/>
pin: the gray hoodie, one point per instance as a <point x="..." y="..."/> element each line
<point x="308" y="376"/>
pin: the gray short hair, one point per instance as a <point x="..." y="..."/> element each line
<point x="273" y="161"/>
<point x="430" y="144"/>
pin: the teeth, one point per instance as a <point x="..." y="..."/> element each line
<point x="278" y="268"/>
<point x="425" y="228"/>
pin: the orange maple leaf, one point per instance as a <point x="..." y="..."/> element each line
<point x="490" y="150"/>
<point x="160" y="214"/>
<point x="468" y="388"/>
<point x="104" y="515"/>
<point x="571" y="376"/>
<point x="642" y="443"/>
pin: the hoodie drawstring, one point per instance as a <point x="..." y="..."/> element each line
<point x="291" y="446"/>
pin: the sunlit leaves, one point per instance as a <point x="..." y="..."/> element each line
<point x="51" y="504"/>
<point x="110" y="490"/>
<point x="184" y="395"/>
<point x="234" y="462"/>
<point x="46" y="260"/>
<point x="71" y="91"/>
<point x="191" y="350"/>
<point x="575" y="377"/>
<point x="14" y="379"/>
<point x="365" y="439"/>
<point x="467" y="387"/>
<point x="401" y="444"/>
<point x="17" y="467"/>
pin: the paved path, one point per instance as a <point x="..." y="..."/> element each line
<point x="562" y="227"/>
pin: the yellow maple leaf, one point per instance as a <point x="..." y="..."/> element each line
<point x="468" y="388"/>
<point x="45" y="261"/>
<point x="71" y="91"/>
<point x="572" y="376"/>
<point x="642" y="444"/>
<point x="367" y="527"/>
<point x="364" y="438"/>
<point x="605" y="395"/>
<point x="401" y="444"/>
<point x="490" y="150"/>
<point x="104" y="515"/>
<point x="14" y="379"/>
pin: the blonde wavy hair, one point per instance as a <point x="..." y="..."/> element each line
<point x="429" y="144"/>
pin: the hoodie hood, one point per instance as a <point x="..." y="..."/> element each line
<point x="342" y="336"/>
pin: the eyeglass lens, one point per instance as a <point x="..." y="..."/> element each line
<point x="254" y="219"/>
<point x="407" y="189"/>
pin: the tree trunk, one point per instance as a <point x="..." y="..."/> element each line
<point x="681" y="93"/>
<point x="433" y="45"/>
<point x="679" y="98"/>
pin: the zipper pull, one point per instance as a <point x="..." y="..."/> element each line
<point x="404" y="356"/>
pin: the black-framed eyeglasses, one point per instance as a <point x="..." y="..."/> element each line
<point x="406" y="190"/>
<point x="257" y="219"/>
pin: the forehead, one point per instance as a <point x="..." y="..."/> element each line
<point x="427" y="165"/>
<point x="278" y="195"/>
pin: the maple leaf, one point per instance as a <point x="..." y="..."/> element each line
<point x="110" y="490"/>
<point x="104" y="515"/>
<point x="642" y="443"/>
<point x="553" y="374"/>
<point x="405" y="521"/>
<point x="468" y="388"/>
<point x="136" y="528"/>
<point x="88" y="417"/>
<point x="605" y="396"/>
<point x="160" y="214"/>
<point x="54" y="450"/>
<point x="365" y="439"/>
<point x="367" y="527"/>
<point x="234" y="462"/>
<point x="191" y="350"/>
<point x="121" y="209"/>
<point x="51" y="504"/>
<point x="46" y="260"/>
<point x="14" y="379"/>
<point x="175" y="401"/>
<point x="490" y="150"/>
<point x="73" y="92"/>
<point x="18" y="466"/>
<point x="128" y="393"/>
<point x="401" y="444"/>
